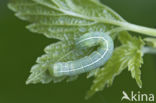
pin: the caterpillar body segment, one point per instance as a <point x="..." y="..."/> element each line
<point x="95" y="60"/>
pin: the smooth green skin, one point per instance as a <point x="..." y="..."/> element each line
<point x="95" y="60"/>
<point x="19" y="49"/>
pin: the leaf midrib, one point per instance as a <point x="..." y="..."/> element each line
<point x="95" y="19"/>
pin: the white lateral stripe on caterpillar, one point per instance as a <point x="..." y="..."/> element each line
<point x="94" y="61"/>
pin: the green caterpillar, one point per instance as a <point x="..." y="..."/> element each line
<point x="95" y="60"/>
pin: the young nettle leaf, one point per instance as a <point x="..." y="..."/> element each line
<point x="134" y="65"/>
<point x="57" y="52"/>
<point x="61" y="19"/>
<point x="113" y="67"/>
<point x="67" y="20"/>
<point x="128" y="55"/>
<point x="135" y="48"/>
<point x="38" y="74"/>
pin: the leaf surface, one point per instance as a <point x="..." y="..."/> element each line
<point x="127" y="55"/>
<point x="67" y="20"/>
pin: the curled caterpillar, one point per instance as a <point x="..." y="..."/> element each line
<point x="95" y="60"/>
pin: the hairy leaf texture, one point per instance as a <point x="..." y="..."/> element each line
<point x="127" y="55"/>
<point x="67" y="20"/>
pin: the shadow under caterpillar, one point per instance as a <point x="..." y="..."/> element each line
<point x="95" y="60"/>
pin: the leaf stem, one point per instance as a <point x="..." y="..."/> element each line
<point x="139" y="29"/>
<point x="123" y="23"/>
<point x="130" y="27"/>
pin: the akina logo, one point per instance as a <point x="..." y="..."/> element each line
<point x="138" y="97"/>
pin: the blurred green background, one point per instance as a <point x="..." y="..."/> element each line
<point x="19" y="49"/>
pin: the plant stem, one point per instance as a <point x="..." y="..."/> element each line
<point x="131" y="27"/>
<point x="149" y="50"/>
<point x="139" y="29"/>
<point x="123" y="23"/>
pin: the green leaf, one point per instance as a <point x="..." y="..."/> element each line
<point x="136" y="60"/>
<point x="65" y="20"/>
<point x="134" y="65"/>
<point x="57" y="52"/>
<point x="127" y="55"/>
<point x="151" y="42"/>
<point x="114" y="66"/>
<point x="39" y="74"/>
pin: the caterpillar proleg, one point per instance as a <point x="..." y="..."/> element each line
<point x="95" y="60"/>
